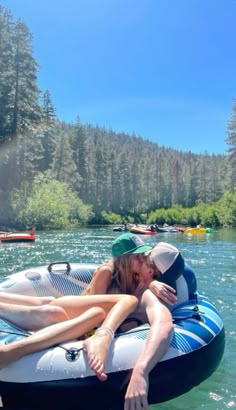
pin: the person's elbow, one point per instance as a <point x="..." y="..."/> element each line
<point x="166" y="326"/>
<point x="169" y="329"/>
<point x="167" y="319"/>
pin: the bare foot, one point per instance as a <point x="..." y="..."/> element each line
<point x="97" y="347"/>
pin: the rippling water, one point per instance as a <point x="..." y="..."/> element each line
<point x="213" y="258"/>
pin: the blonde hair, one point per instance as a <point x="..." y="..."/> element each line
<point x="123" y="279"/>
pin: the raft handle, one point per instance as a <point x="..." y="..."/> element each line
<point x="195" y="315"/>
<point x="68" y="267"/>
<point x="198" y="313"/>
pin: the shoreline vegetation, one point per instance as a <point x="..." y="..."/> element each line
<point x="46" y="212"/>
<point x="58" y="175"/>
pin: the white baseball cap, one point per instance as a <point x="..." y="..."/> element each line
<point x="168" y="261"/>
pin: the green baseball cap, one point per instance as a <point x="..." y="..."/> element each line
<point x="128" y="243"/>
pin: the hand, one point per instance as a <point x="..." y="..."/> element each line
<point x="163" y="292"/>
<point x="137" y="391"/>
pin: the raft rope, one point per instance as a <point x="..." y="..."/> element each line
<point x="15" y="333"/>
<point x="72" y="353"/>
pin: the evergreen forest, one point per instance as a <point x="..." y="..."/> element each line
<point x="55" y="175"/>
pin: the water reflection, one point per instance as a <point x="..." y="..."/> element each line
<point x="213" y="258"/>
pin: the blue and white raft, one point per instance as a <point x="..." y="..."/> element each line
<point x="59" y="376"/>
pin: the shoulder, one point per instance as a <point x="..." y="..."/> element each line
<point x="148" y="299"/>
<point x="157" y="312"/>
<point x="104" y="269"/>
<point x="101" y="280"/>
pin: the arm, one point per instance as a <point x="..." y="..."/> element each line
<point x="163" y="291"/>
<point x="156" y="345"/>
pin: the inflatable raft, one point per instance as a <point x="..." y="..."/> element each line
<point x="59" y="377"/>
<point x="15" y="237"/>
<point x="142" y="231"/>
<point x="198" y="231"/>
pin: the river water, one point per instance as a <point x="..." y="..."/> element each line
<point x="213" y="258"/>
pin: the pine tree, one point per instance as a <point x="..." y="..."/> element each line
<point x="6" y="73"/>
<point x="63" y="167"/>
<point x="48" y="129"/>
<point x="231" y="141"/>
<point x="81" y="155"/>
<point x="48" y="110"/>
<point x="26" y="111"/>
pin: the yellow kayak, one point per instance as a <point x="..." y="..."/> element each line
<point x="195" y="230"/>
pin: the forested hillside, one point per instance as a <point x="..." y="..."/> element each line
<point x="90" y="169"/>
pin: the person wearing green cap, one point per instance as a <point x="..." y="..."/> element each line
<point x="116" y="291"/>
<point x="128" y="243"/>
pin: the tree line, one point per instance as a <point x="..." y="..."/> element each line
<point x="55" y="174"/>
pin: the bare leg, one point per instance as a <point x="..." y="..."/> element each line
<point x="64" y="308"/>
<point x="76" y="308"/>
<point x="54" y="334"/>
<point x="97" y="346"/>
<point x="32" y="317"/>
<point x="75" y="305"/>
<point x="24" y="300"/>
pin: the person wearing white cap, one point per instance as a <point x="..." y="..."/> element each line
<point x="168" y="261"/>
<point x="174" y="272"/>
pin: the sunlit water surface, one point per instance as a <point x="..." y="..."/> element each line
<point x="213" y="257"/>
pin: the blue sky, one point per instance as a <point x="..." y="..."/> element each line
<point x="162" y="69"/>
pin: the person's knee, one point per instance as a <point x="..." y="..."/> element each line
<point x="98" y="312"/>
<point x="45" y="300"/>
<point x="131" y="299"/>
<point x="53" y="313"/>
